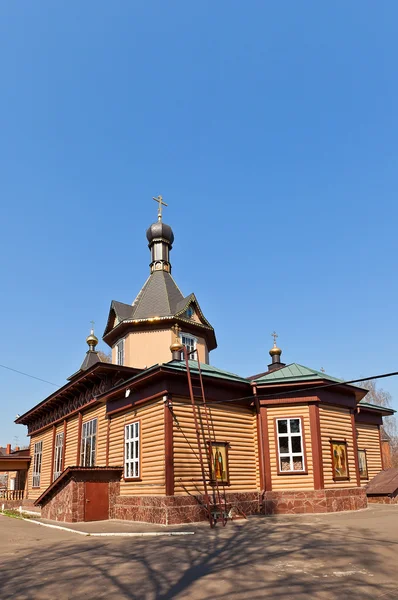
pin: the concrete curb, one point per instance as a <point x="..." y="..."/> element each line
<point x="121" y="534"/>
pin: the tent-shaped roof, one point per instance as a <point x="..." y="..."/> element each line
<point x="92" y="357"/>
<point x="159" y="298"/>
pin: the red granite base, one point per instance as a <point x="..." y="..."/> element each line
<point x="67" y="504"/>
<point x="15" y="504"/>
<point x="319" y="501"/>
<point x="173" y="510"/>
<point x="10" y="504"/>
<point x="386" y="499"/>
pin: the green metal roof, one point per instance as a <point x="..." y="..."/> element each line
<point x="207" y="370"/>
<point x="375" y="406"/>
<point x="294" y="372"/>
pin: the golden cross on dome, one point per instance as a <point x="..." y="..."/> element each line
<point x="274" y="335"/>
<point x="176" y="330"/>
<point x="159" y="199"/>
<point x="92" y="325"/>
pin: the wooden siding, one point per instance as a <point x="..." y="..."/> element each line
<point x="98" y="412"/>
<point x="70" y="448"/>
<point x="151" y="417"/>
<point x="45" y="478"/>
<point x="290" y="482"/>
<point x="233" y="424"/>
<point x="336" y="424"/>
<point x="257" y="451"/>
<point x="368" y="439"/>
<point x="72" y="435"/>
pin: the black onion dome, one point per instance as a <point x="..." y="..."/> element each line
<point x="160" y="230"/>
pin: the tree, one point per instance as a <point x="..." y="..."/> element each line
<point x="104" y="356"/>
<point x="381" y="397"/>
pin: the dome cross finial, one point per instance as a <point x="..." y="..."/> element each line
<point x="160" y="202"/>
<point x="275" y="352"/>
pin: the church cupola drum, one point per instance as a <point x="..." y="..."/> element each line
<point x="140" y="334"/>
<point x="160" y="237"/>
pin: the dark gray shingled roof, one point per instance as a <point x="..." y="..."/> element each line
<point x="123" y="311"/>
<point x="90" y="359"/>
<point x="158" y="298"/>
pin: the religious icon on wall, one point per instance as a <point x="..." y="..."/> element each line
<point x="219" y="462"/>
<point x="340" y="460"/>
<point x="363" y="465"/>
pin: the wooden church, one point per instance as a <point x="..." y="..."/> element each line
<point x="159" y="435"/>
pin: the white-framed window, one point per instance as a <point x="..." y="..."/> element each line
<point x="37" y="456"/>
<point x="190" y="343"/>
<point x="58" y="455"/>
<point x="120" y="352"/>
<point x="89" y="439"/>
<point x="132" y="450"/>
<point x="290" y="445"/>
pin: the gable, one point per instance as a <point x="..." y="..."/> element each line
<point x="188" y="309"/>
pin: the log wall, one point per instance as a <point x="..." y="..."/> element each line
<point x="368" y="439"/>
<point x="152" y="467"/>
<point x="336" y="424"/>
<point x="233" y="424"/>
<point x="45" y="478"/>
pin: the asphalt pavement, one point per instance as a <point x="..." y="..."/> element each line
<point x="325" y="557"/>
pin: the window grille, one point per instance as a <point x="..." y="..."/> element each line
<point x="120" y="353"/>
<point x="89" y="438"/>
<point x="190" y="344"/>
<point x="58" y="455"/>
<point x="132" y="450"/>
<point x="290" y="445"/>
<point x="37" y="457"/>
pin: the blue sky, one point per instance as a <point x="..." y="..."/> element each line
<point x="269" y="128"/>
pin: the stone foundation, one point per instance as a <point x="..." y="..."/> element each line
<point x="173" y="510"/>
<point x="10" y="504"/>
<point x="318" y="501"/>
<point x="67" y="503"/>
<point x="384" y="499"/>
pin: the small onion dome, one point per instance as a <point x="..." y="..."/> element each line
<point x="160" y="230"/>
<point x="176" y="346"/>
<point x="92" y="340"/>
<point x="275" y="351"/>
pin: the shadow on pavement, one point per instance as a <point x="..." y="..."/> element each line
<point x="260" y="558"/>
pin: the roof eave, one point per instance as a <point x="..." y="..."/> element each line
<point x="26" y="417"/>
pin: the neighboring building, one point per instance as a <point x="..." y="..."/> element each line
<point x="120" y="440"/>
<point x="14" y="466"/>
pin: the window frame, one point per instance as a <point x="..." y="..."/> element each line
<point x="58" y="456"/>
<point x="190" y="312"/>
<point x="37" y="463"/>
<point x="303" y="452"/>
<point x="139" y="478"/>
<point x="366" y="463"/>
<point x="117" y="345"/>
<point x="195" y="341"/>
<point x="83" y="453"/>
